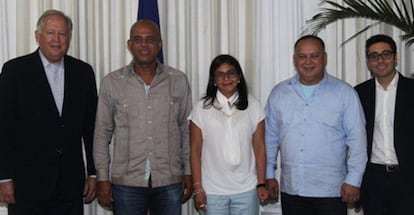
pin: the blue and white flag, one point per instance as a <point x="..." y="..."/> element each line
<point x="148" y="9"/>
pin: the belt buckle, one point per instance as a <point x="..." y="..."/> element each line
<point x="390" y="168"/>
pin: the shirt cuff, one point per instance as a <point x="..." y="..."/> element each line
<point x="270" y="172"/>
<point x="5" y="180"/>
<point x="354" y="179"/>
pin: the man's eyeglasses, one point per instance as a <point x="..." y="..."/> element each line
<point x="375" y="55"/>
<point x="221" y="75"/>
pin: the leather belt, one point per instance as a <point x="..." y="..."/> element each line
<point x="385" y="167"/>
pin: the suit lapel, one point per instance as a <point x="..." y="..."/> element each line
<point x="371" y="105"/>
<point x="399" y="107"/>
<point x="369" y="102"/>
<point x="69" y="84"/>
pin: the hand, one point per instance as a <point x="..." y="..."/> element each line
<point x="200" y="201"/>
<point x="273" y="189"/>
<point x="262" y="194"/>
<point x="186" y="188"/>
<point x="7" y="192"/>
<point x="349" y="193"/>
<point x="104" y="193"/>
<point x="89" y="191"/>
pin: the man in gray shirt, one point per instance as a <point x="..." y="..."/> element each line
<point x="144" y="107"/>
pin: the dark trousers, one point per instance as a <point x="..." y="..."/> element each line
<point x="56" y="204"/>
<point x="299" y="205"/>
<point x="46" y="207"/>
<point x="386" y="193"/>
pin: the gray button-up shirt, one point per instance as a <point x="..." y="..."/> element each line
<point x="143" y="126"/>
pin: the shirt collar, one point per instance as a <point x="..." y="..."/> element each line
<point x="46" y="62"/>
<point x="393" y="83"/>
<point x="325" y="79"/>
<point x="132" y="72"/>
<point x="222" y="102"/>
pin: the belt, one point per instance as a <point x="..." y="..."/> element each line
<point x="385" y="167"/>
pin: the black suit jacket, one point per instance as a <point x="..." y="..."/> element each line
<point x="40" y="150"/>
<point x="403" y="121"/>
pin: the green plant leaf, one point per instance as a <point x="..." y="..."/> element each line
<point x="401" y="17"/>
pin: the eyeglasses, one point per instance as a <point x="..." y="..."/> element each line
<point x="375" y="55"/>
<point x="221" y="75"/>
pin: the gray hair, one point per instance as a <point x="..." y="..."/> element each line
<point x="52" y="12"/>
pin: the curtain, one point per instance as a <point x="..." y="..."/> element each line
<point x="260" y="34"/>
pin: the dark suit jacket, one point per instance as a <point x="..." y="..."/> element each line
<point x="403" y="121"/>
<point x="40" y="150"/>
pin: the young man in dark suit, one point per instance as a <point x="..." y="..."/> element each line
<point x="47" y="113"/>
<point x="387" y="99"/>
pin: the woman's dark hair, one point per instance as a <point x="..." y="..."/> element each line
<point x="210" y="95"/>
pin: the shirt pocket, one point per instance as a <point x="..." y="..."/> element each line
<point x="126" y="109"/>
<point x="174" y="108"/>
<point x="330" y="122"/>
<point x="286" y="119"/>
<point x="330" y="118"/>
<point x="121" y="114"/>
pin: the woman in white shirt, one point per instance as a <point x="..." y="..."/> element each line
<point x="228" y="156"/>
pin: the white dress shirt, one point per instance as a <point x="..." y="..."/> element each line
<point x="228" y="163"/>
<point x="55" y="74"/>
<point x="383" y="151"/>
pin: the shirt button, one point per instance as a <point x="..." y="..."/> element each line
<point x="59" y="151"/>
<point x="149" y="122"/>
<point x="149" y="107"/>
<point x="149" y="138"/>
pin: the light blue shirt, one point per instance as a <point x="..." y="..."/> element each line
<point x="321" y="138"/>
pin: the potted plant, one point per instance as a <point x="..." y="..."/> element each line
<point x="401" y="16"/>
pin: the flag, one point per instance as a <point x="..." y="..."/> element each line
<point x="148" y="9"/>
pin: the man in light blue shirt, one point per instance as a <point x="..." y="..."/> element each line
<point x="317" y="123"/>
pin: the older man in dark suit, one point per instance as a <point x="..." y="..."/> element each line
<point x="387" y="99"/>
<point x="47" y="112"/>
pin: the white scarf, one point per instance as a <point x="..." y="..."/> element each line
<point x="226" y="105"/>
